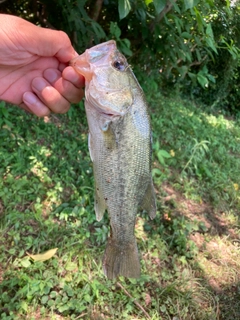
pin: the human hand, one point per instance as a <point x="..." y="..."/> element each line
<point x="34" y="71"/>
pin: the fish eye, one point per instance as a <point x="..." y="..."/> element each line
<point x="119" y="65"/>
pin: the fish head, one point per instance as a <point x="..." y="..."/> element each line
<point x="108" y="79"/>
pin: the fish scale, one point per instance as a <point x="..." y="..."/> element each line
<point x="120" y="148"/>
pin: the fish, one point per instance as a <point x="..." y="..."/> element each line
<point x="119" y="144"/>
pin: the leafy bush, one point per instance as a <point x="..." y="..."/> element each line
<point x="191" y="43"/>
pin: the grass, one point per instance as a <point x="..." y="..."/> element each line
<point x="189" y="253"/>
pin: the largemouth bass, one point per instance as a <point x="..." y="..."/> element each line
<point x="120" y="148"/>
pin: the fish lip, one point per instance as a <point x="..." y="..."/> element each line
<point x="81" y="65"/>
<point x="110" y="115"/>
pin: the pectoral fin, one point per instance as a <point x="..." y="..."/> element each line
<point x="149" y="201"/>
<point x="90" y="147"/>
<point x="99" y="205"/>
<point x="105" y="125"/>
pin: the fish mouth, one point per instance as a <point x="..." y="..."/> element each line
<point x="83" y="63"/>
<point x="108" y="115"/>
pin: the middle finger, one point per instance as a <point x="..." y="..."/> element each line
<point x="70" y="86"/>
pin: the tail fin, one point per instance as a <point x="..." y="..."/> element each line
<point x="121" y="260"/>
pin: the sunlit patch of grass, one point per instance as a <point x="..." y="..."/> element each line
<point x="231" y="219"/>
<point x="206" y="151"/>
<point x="220" y="261"/>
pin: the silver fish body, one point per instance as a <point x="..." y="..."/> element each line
<point x="120" y="148"/>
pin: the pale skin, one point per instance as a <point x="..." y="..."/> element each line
<point x="34" y="71"/>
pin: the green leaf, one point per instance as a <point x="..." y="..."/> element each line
<point x="164" y="154"/>
<point x="25" y="262"/>
<point x="161" y="155"/>
<point x="186" y="35"/>
<point x="99" y="32"/>
<point x="199" y="18"/>
<point x="23" y="306"/>
<point x="176" y="7"/>
<point x="142" y="14"/>
<point x="124" y="8"/>
<point x="202" y="80"/>
<point x="211" y="78"/>
<point x="53" y="294"/>
<point x="124" y="46"/>
<point x="192" y="76"/>
<point x="159" y="5"/>
<point x="3" y="110"/>
<point x="2" y="104"/>
<point x="156" y="171"/>
<point x="209" y="31"/>
<point x="189" y="4"/>
<point x="63" y="308"/>
<point x="211" y="44"/>
<point x="87" y="298"/>
<point x="50" y="303"/>
<point x="44" y="299"/>
<point x="209" y="52"/>
<point x="115" y="30"/>
<point x="198" y="41"/>
<point x="178" y="23"/>
<point x="163" y="308"/>
<point x="198" y="55"/>
<point x="70" y="292"/>
<point x="183" y="71"/>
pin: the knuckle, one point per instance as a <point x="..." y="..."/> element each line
<point x="64" y="37"/>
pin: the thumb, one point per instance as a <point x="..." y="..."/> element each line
<point x="37" y="40"/>
<point x="54" y="43"/>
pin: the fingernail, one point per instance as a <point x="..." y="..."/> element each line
<point x="51" y="75"/>
<point x="39" y="84"/>
<point x="29" y="98"/>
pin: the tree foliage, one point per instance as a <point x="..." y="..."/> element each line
<point x="193" y="43"/>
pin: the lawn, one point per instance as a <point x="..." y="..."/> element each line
<point x="190" y="253"/>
